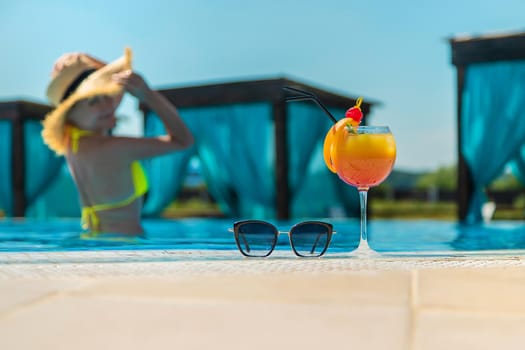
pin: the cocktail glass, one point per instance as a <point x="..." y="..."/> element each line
<point x="364" y="157"/>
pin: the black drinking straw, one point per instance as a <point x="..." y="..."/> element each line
<point x="305" y="95"/>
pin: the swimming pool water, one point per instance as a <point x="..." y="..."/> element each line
<point x="212" y="234"/>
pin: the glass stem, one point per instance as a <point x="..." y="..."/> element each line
<point x="363" y="194"/>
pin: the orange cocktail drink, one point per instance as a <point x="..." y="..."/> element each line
<point x="365" y="157"/>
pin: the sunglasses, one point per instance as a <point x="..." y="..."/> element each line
<point x="256" y="238"/>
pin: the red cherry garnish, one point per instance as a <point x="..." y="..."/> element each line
<point x="355" y="113"/>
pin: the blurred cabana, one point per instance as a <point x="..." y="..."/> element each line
<point x="260" y="156"/>
<point x="490" y="114"/>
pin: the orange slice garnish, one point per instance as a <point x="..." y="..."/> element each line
<point x="329" y="143"/>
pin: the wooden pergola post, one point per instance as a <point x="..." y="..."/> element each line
<point x="464" y="177"/>
<point x="282" y="186"/>
<point x="18" y="165"/>
<point x="466" y="51"/>
<point x="17" y="112"/>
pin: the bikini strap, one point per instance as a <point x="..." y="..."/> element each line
<point x="73" y="135"/>
<point x="140" y="179"/>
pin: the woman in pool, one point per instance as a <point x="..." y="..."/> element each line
<point x="105" y="168"/>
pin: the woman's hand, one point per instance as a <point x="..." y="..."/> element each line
<point x="72" y="58"/>
<point x="133" y="83"/>
<point x="178" y="134"/>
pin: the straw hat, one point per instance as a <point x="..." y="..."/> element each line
<point x="79" y="77"/>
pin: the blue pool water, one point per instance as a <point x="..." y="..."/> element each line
<point x="212" y="234"/>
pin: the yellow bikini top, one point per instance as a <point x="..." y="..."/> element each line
<point x="140" y="183"/>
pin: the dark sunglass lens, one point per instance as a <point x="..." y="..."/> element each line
<point x="310" y="239"/>
<point x="256" y="239"/>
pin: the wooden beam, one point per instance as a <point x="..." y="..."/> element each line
<point x="29" y="110"/>
<point x="488" y="48"/>
<point x="221" y="94"/>
<point x="251" y="91"/>
<point x="33" y="111"/>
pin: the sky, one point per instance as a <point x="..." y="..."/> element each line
<point x="393" y="52"/>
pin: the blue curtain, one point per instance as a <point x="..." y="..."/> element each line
<point x="236" y="148"/>
<point x="235" y="145"/>
<point x="165" y="173"/>
<point x="6" y="181"/>
<point x="50" y="191"/>
<point x="493" y="123"/>
<point x="316" y="192"/>
<point x="60" y="198"/>
<point x="42" y="165"/>
<point x="307" y="127"/>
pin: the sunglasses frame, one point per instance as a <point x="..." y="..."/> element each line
<point x="276" y="232"/>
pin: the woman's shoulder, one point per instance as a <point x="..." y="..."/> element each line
<point x="118" y="148"/>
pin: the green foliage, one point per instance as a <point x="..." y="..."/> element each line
<point x="412" y="209"/>
<point x="519" y="202"/>
<point x="444" y="178"/>
<point x="506" y="182"/>
<point x="400" y="179"/>
<point x="194" y="207"/>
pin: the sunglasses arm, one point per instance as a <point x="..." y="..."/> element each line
<point x="317" y="240"/>
<point x="244" y="241"/>
<point x="243" y="238"/>
<point x="315" y="243"/>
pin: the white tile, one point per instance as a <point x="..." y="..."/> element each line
<point x="355" y="288"/>
<point x="438" y="330"/>
<point x="15" y="293"/>
<point x="74" y="322"/>
<point x="482" y="289"/>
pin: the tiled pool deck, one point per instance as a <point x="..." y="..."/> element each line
<point x="217" y="300"/>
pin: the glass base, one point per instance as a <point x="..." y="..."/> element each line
<point x="364" y="251"/>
